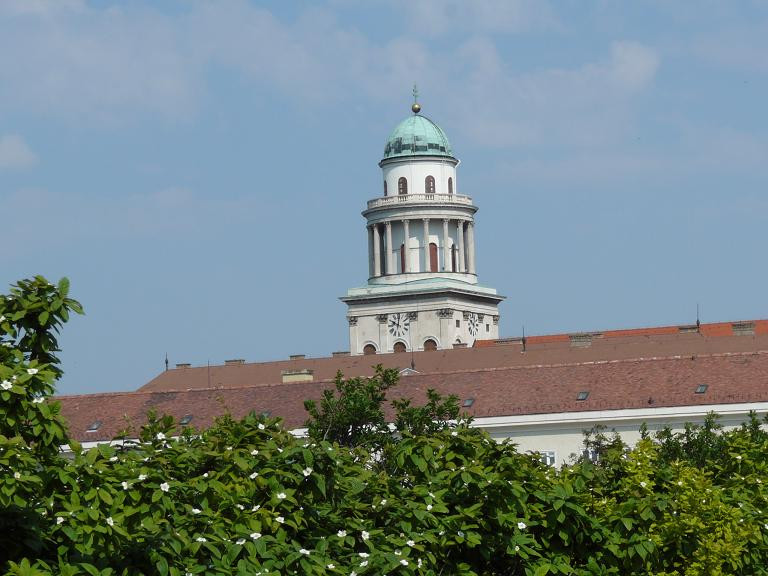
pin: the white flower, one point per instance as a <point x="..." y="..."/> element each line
<point x="353" y="573"/>
<point x="306" y="472"/>
<point x="331" y="566"/>
<point x="304" y="551"/>
<point x="398" y="553"/>
<point x="240" y="541"/>
<point x="517" y="548"/>
<point x="460" y="534"/>
<point x="429" y="507"/>
<point x="738" y="457"/>
<point x="642" y="484"/>
<point x="279" y="519"/>
<point x="253" y="475"/>
<point x="142" y="477"/>
<point x="384" y="502"/>
<point x="113" y="459"/>
<point x="38" y="400"/>
<point x="255" y="535"/>
<point x="205" y="475"/>
<point x="110" y="521"/>
<point x="404" y="562"/>
<point x="32" y="371"/>
<point x="240" y="507"/>
<point x="256" y="508"/>
<point x="261" y="426"/>
<point x="454" y="433"/>
<point x="164" y="487"/>
<point x="201" y="539"/>
<point x="365" y="535"/>
<point x="59" y="519"/>
<point x="2" y="318"/>
<point x="364" y="563"/>
<point x="521" y="526"/>
<point x="364" y="554"/>
<point x="6" y="385"/>
<point x="160" y="436"/>
<point x="341" y="533"/>
<point x="411" y="543"/>
<point x="196" y="510"/>
<point x="419" y="563"/>
<point x="17" y="475"/>
<point x="254" y="452"/>
<point x="124" y="484"/>
<point x="281" y="496"/>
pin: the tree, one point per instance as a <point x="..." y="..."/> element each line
<point x="353" y="415"/>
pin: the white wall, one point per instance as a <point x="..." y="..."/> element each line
<point x="563" y="433"/>
<point x="416" y="172"/>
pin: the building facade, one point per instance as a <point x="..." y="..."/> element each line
<point x="422" y="291"/>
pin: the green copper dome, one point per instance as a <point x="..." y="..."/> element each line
<point x="417" y="136"/>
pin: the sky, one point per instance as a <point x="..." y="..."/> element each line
<point x="197" y="169"/>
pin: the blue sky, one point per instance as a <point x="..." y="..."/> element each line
<point x="197" y="169"/>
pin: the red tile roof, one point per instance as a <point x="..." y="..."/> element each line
<point x="620" y="369"/>
<point x="553" y="349"/>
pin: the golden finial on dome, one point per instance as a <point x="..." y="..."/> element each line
<point x="416" y="107"/>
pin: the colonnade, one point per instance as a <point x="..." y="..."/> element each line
<point x="380" y="236"/>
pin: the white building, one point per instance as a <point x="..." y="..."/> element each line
<point x="422" y="291"/>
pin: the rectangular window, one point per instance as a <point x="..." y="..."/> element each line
<point x="547" y="457"/>
<point x="458" y="323"/>
<point x="487" y="327"/>
<point x="591" y="455"/>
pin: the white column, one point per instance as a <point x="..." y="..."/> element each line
<point x="426" y="245"/>
<point x="370" y="251"/>
<point x="446" y="247"/>
<point x="376" y="250"/>
<point x="389" y="259"/>
<point x="460" y="234"/>
<point x="406" y="247"/>
<point x="471" y="246"/>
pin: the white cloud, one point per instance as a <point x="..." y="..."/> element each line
<point x="586" y="105"/>
<point x="14" y="152"/>
<point x="87" y="64"/>
<point x="442" y="17"/>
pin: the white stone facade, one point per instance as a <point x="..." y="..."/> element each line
<point x="422" y="291"/>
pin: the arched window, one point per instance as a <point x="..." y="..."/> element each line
<point x="430" y="345"/>
<point x="450" y="186"/>
<point x="398" y="347"/>
<point x="402" y="258"/>
<point x="429" y="185"/>
<point x="369" y="349"/>
<point x="432" y="257"/>
<point x="385" y="187"/>
<point x="402" y="185"/>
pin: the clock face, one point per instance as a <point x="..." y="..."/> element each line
<point x="474" y="324"/>
<point x="398" y="324"/>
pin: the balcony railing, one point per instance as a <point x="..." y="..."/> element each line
<point x="419" y="199"/>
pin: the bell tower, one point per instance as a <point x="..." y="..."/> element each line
<point x="422" y="291"/>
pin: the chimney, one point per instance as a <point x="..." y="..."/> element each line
<point x="234" y="361"/>
<point x="291" y="376"/>
<point x="184" y="365"/>
<point x="297" y="356"/>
